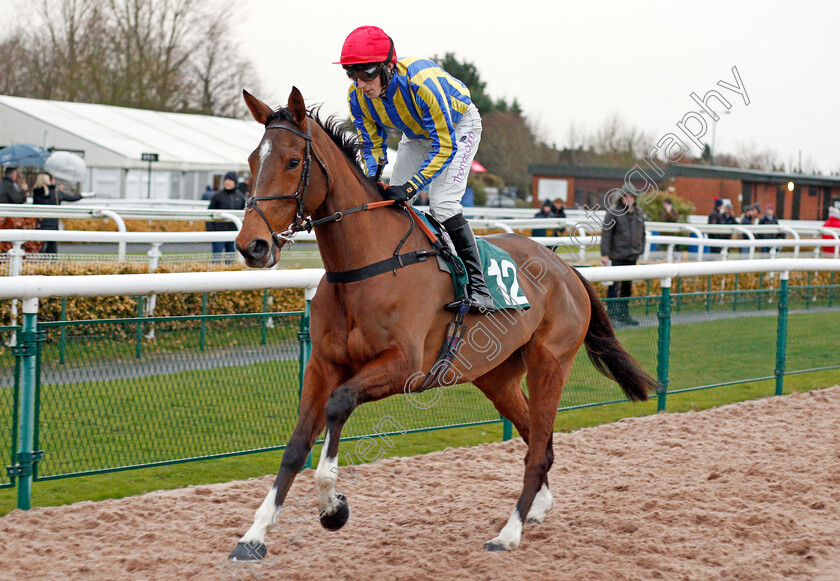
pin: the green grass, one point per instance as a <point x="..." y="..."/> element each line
<point x="129" y="483"/>
<point x="91" y="425"/>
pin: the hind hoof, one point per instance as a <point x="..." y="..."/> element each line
<point x="252" y="551"/>
<point x="336" y="520"/>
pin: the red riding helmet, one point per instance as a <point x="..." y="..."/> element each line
<point x="367" y="44"/>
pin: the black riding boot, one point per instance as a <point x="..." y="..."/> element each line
<point x="477" y="294"/>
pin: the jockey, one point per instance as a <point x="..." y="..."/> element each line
<point x="441" y="130"/>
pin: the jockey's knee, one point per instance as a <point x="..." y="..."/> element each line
<point x="442" y="210"/>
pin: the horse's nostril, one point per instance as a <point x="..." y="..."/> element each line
<point x="257" y="248"/>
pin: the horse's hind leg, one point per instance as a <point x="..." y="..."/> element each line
<point x="547" y="374"/>
<point x="503" y="387"/>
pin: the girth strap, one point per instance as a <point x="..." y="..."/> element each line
<point x="377" y="268"/>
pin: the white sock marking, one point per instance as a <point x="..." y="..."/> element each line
<point x="543" y="503"/>
<point x="511" y="534"/>
<point x="262" y="520"/>
<point x="327" y="468"/>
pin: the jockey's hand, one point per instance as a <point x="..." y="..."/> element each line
<point x="380" y="187"/>
<point x="399" y="193"/>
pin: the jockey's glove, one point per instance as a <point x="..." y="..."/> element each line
<point x="399" y="193"/>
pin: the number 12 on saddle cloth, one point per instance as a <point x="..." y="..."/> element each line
<point x="500" y="272"/>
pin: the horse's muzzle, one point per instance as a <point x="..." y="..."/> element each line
<point x="257" y="253"/>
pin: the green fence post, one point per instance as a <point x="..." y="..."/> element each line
<point x="264" y="320"/>
<point x="664" y="344"/>
<point x="305" y="350"/>
<point x="808" y="291"/>
<point x="678" y="304"/>
<point x="202" y="332"/>
<point x="138" y="341"/>
<point x="735" y="295"/>
<point x="830" y="288"/>
<point x="507" y="429"/>
<point x="62" y="333"/>
<point x="709" y="293"/>
<point x="781" y="333"/>
<point x="27" y="350"/>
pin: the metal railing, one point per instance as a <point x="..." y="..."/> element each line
<point x="98" y="396"/>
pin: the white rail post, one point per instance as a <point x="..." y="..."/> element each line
<point x="16" y="253"/>
<point x="120" y="227"/>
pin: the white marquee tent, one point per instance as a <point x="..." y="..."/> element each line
<point x="191" y="149"/>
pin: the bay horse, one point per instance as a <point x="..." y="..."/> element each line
<point x="370" y="336"/>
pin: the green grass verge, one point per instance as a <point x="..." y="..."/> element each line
<point x="129" y="483"/>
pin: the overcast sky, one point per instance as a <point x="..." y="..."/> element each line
<point x="578" y="63"/>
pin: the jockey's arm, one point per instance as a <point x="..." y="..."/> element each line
<point x="438" y="122"/>
<point x="372" y="138"/>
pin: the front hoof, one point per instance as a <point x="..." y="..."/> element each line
<point x="251" y="551"/>
<point x="336" y="520"/>
<point x="494" y="545"/>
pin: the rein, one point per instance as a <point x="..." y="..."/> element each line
<point x="303" y="223"/>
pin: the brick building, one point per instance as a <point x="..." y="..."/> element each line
<point x="809" y="198"/>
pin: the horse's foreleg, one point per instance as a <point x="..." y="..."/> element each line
<point x="316" y="388"/>
<point x="374" y="381"/>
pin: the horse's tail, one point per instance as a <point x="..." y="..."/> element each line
<point x="607" y="354"/>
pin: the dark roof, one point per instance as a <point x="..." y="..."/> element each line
<point x="571" y="171"/>
<point x="690" y="171"/>
<point x="751" y="175"/>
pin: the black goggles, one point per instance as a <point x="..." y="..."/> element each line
<point x="363" y="72"/>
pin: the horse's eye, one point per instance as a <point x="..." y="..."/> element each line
<point x="293" y="163"/>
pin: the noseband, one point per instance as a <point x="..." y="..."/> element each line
<point x="301" y="222"/>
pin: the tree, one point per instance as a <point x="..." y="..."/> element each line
<point x="508" y="146"/>
<point x="467" y="73"/>
<point x="166" y="55"/>
<point x="508" y="141"/>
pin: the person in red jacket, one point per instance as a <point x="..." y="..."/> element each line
<point x="832" y="222"/>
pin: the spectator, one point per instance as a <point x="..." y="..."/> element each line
<point x="45" y="193"/>
<point x="558" y="210"/>
<point x="245" y="186"/>
<point x="769" y="219"/>
<point x="228" y="198"/>
<point x="10" y="191"/>
<point x="747" y="219"/>
<point x="622" y="242"/>
<point x="669" y="212"/>
<point x="715" y="217"/>
<point x="832" y="222"/>
<point x="546" y="211"/>
<point x="726" y="216"/>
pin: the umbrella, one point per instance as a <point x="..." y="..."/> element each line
<point x="66" y="166"/>
<point x="22" y="154"/>
<point x="477" y="167"/>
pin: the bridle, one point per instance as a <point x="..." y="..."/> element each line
<point x="301" y="223"/>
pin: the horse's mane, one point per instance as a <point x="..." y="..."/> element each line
<point x="346" y="141"/>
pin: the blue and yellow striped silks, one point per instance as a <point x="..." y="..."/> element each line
<point x="424" y="102"/>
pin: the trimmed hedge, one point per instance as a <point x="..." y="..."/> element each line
<point x="86" y="308"/>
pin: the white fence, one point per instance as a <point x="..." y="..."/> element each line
<point x="32" y="288"/>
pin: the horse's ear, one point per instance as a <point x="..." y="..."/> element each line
<point x="258" y="109"/>
<point x="297" y="106"/>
